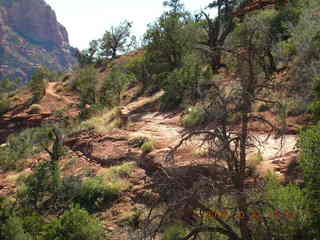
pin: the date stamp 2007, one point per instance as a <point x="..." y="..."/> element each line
<point x="254" y="216"/>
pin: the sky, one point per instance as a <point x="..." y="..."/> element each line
<point x="88" y="20"/>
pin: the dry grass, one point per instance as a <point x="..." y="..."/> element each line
<point x="117" y="177"/>
<point x="106" y="121"/>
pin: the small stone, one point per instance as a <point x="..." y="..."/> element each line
<point x="111" y="229"/>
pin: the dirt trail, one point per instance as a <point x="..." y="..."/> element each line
<point x="165" y="130"/>
<point x="51" y="91"/>
<point x="159" y="127"/>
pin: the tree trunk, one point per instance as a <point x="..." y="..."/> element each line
<point x="215" y="62"/>
<point x="242" y="198"/>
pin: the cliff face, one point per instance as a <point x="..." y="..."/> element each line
<point x="30" y="36"/>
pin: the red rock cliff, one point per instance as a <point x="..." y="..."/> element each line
<point x="30" y="35"/>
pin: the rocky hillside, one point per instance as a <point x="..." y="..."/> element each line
<point x="30" y="36"/>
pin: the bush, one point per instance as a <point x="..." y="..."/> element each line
<point x="116" y="177"/>
<point x="263" y="108"/>
<point x="136" y="65"/>
<point x="175" y="232"/>
<point x="75" y="224"/>
<point x="4" y="106"/>
<point x="85" y="84"/>
<point x="13" y="229"/>
<point x="287" y="217"/>
<point x="94" y="194"/>
<point x="194" y="117"/>
<point x="138" y="141"/>
<point x="35" y="108"/>
<point x="38" y="85"/>
<point x="40" y="190"/>
<point x="106" y="120"/>
<point x="23" y="145"/>
<point x="306" y="41"/>
<point x="113" y="86"/>
<point x="185" y="84"/>
<point x="90" y="111"/>
<point x="309" y="144"/>
<point x="147" y="147"/>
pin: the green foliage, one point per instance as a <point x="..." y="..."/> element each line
<point x="175" y="232"/>
<point x="9" y="85"/>
<point x="47" y="191"/>
<point x="4" y="105"/>
<point x="309" y="143"/>
<point x="40" y="189"/>
<point x="85" y="84"/>
<point x="20" y="224"/>
<point x="90" y="111"/>
<point x="137" y="66"/>
<point x="38" y="84"/>
<point x="287" y="217"/>
<point x="184" y="85"/>
<point x="89" y="56"/>
<point x="168" y="40"/>
<point x="147" y="147"/>
<point x="194" y="117"/>
<point x="95" y="194"/>
<point x="314" y="107"/>
<point x="35" y="108"/>
<point x="75" y="224"/>
<point x="23" y="145"/>
<point x="263" y="108"/>
<point x="12" y="229"/>
<point x="255" y="32"/>
<point x="306" y="41"/>
<point x="117" y="39"/>
<point x="113" y="86"/>
<point x="138" y="141"/>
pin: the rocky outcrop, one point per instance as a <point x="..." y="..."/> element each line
<point x="30" y="36"/>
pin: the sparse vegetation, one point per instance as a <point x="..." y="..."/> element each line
<point x="35" y="108"/>
<point x="23" y="145"/>
<point x="230" y="76"/>
<point x="38" y="84"/>
<point x="138" y="141"/>
<point x="75" y="224"/>
<point x="94" y="194"/>
<point x="194" y="117"/>
<point x="105" y="121"/>
<point x="147" y="147"/>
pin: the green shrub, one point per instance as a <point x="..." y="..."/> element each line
<point x="263" y="108"/>
<point x="38" y="85"/>
<point x="136" y="65"/>
<point x="22" y="145"/>
<point x="13" y="229"/>
<point x="4" y="106"/>
<point x="175" y="232"/>
<point x="194" y="117"/>
<point x="95" y="194"/>
<point x="90" y="111"/>
<point x="183" y="85"/>
<point x="147" y="147"/>
<point x="35" y="108"/>
<point x="75" y="224"/>
<point x="309" y="143"/>
<point x="113" y="86"/>
<point x="287" y="217"/>
<point x="138" y="141"/>
<point x="40" y="190"/>
<point x="85" y="84"/>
